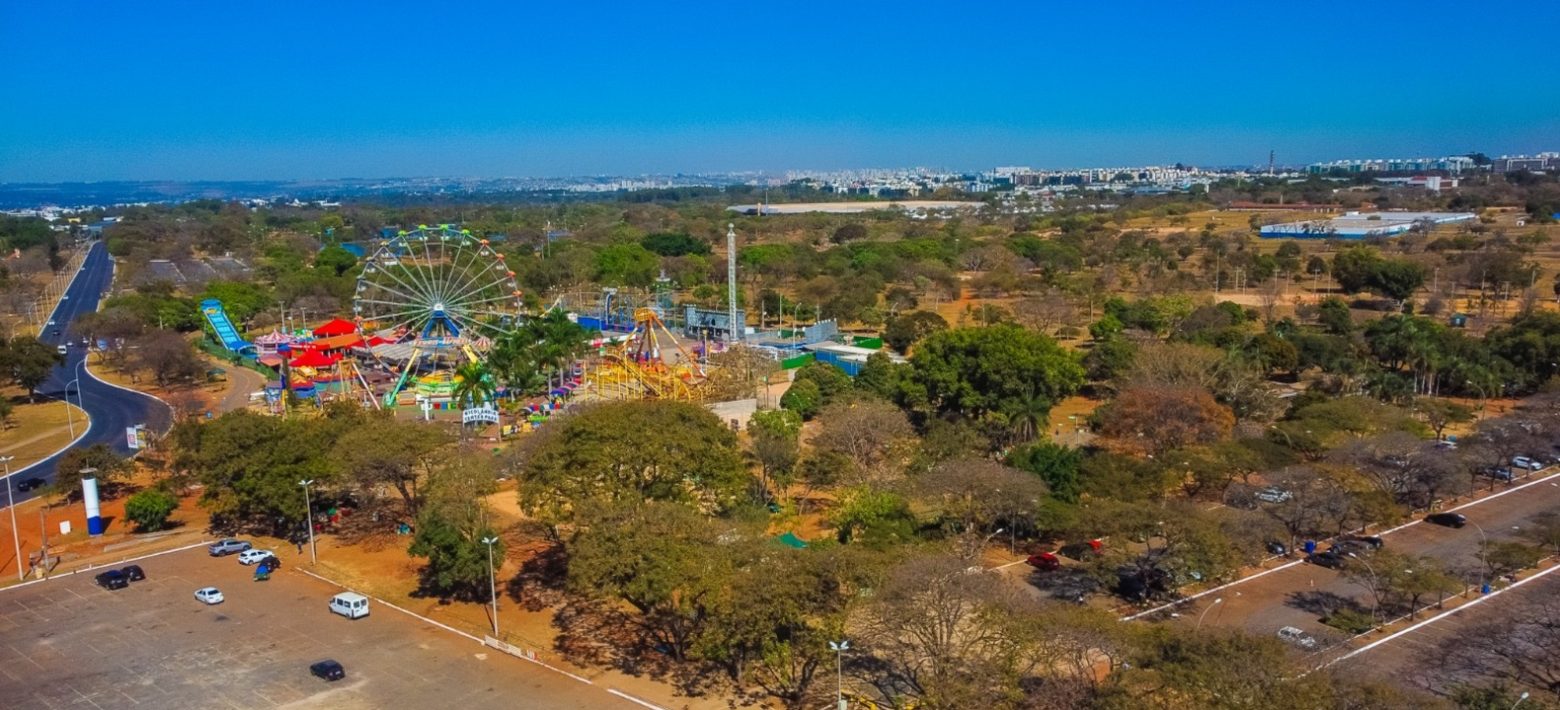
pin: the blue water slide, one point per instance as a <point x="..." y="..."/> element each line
<point x="217" y="318"/>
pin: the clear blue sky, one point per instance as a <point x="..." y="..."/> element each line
<point x="217" y="90"/>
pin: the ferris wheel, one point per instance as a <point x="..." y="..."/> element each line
<point x="437" y="284"/>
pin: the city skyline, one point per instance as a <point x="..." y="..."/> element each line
<point x="359" y="90"/>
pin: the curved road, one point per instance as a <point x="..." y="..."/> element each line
<point x="111" y="408"/>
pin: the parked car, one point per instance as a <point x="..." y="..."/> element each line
<point x="1274" y="495"/>
<point x="251" y="556"/>
<point x="1328" y="559"/>
<point x="349" y="604"/>
<point x="132" y="573"/>
<point x="29" y="484"/>
<point x="1451" y="520"/>
<point x="1290" y="634"/>
<point x="112" y="579"/>
<point x="228" y="547"/>
<point x="209" y="595"/>
<point x="1527" y="463"/>
<point x="1367" y="541"/>
<point x="271" y="562"/>
<point x="1044" y="561"/>
<point x="328" y="670"/>
<point x="1275" y="547"/>
<point x="1500" y="473"/>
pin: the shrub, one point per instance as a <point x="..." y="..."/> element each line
<point x="149" y="509"/>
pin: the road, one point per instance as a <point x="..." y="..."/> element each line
<point x="111" y="408"/>
<point x="1293" y="595"/>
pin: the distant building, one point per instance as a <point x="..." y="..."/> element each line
<point x="1362" y="225"/>
<point x="1536" y="163"/>
<point x="1450" y="164"/>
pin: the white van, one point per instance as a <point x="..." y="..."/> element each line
<point x="349" y="604"/>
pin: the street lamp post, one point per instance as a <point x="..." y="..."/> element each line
<point x="10" y="505"/>
<point x="1215" y="603"/>
<point x="492" y="583"/>
<point x="1375" y="587"/>
<point x="1520" y="699"/>
<point x="839" y="648"/>
<point x="1484" y="557"/>
<point x="308" y="521"/>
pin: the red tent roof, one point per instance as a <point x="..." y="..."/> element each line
<point x="335" y="327"/>
<point x="314" y="358"/>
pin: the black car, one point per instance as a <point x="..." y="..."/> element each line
<point x="1275" y="547"/>
<point x="29" y="484"/>
<point x="271" y="562"/>
<point x="132" y="573"/>
<point x="112" y="579"/>
<point x="1328" y="559"/>
<point x="1368" y="543"/>
<point x="328" y="669"/>
<point x="1451" y="520"/>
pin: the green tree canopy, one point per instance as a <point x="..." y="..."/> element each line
<point x="630" y="451"/>
<point x="972" y="372"/>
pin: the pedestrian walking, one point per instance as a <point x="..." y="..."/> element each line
<point x="300" y="545"/>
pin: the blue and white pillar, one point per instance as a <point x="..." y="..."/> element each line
<point x="89" y="496"/>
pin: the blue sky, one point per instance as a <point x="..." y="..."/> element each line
<point x="101" y="91"/>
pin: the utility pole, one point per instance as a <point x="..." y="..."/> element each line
<point x="10" y="504"/>
<point x="492" y="584"/>
<point x="308" y="521"/>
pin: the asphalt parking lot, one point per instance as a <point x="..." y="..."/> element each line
<point x="67" y="643"/>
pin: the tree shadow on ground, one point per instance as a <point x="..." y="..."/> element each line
<point x="1322" y="604"/>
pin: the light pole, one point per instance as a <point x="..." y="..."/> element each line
<point x="10" y="506"/>
<point x="839" y="648"/>
<point x="1484" y="557"/>
<point x="1375" y="587"/>
<point x="492" y="584"/>
<point x="308" y="521"/>
<point x="1215" y="603"/>
<point x="1520" y="700"/>
<point x="69" y="418"/>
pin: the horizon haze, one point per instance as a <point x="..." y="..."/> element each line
<point x="353" y="89"/>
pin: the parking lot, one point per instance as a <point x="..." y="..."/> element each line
<point x="67" y="643"/>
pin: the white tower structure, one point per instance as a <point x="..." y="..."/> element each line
<point x="731" y="283"/>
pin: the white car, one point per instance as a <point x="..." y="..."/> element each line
<point x="1524" y="462"/>
<point x="249" y="557"/>
<point x="1297" y="637"/>
<point x="1274" y="495"/>
<point x="209" y="595"/>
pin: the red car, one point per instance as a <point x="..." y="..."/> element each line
<point x="1044" y="561"/>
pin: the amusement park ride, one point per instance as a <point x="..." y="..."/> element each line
<point x="648" y="364"/>
<point x="437" y="295"/>
<point x="431" y="299"/>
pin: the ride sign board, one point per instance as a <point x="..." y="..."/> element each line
<point x="473" y="415"/>
<point x="133" y="438"/>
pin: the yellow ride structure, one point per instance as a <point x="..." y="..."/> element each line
<point x="648" y="364"/>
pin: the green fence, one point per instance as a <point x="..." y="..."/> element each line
<point x="791" y="363"/>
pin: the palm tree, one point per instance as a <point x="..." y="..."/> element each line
<point x="475" y="384"/>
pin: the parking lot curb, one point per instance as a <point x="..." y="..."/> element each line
<point x="1287" y="565"/>
<point x="89" y="568"/>
<point x="485" y="644"/>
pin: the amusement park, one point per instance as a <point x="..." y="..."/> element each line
<point x="440" y="330"/>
